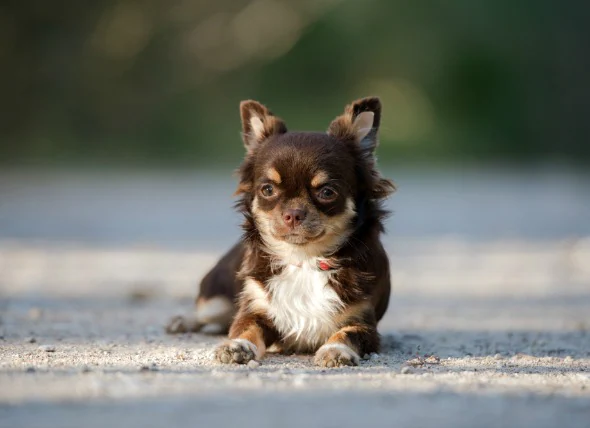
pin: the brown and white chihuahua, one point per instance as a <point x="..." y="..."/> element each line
<point x="310" y="273"/>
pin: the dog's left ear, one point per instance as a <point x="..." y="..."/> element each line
<point x="359" y="123"/>
<point x="258" y="123"/>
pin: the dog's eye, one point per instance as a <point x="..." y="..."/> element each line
<point x="267" y="190"/>
<point x="327" y="194"/>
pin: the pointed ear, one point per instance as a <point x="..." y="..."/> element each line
<point x="359" y="123"/>
<point x="258" y="123"/>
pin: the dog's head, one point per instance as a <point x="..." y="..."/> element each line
<point x="302" y="190"/>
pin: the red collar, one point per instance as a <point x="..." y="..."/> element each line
<point x="323" y="264"/>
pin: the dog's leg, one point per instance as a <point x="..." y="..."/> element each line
<point x="212" y="315"/>
<point x="215" y="306"/>
<point x="249" y="336"/>
<point x="356" y="337"/>
<point x="346" y="345"/>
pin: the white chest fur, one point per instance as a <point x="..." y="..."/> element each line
<point x="301" y="304"/>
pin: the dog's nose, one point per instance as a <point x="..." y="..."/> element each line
<point x="293" y="217"/>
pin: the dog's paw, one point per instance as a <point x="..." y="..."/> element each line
<point x="181" y="324"/>
<point x="336" y="355"/>
<point x="238" y="351"/>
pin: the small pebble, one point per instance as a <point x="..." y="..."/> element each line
<point x="30" y="340"/>
<point x="253" y="364"/>
<point x="498" y="357"/>
<point x="47" y="348"/>
<point x="86" y="369"/>
<point x="415" y="362"/>
<point x="568" y="359"/>
<point x="432" y="359"/>
<point x="375" y="356"/>
<point x="406" y="370"/>
<point x="30" y="370"/>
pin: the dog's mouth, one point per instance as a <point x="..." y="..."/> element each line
<point x="299" y="238"/>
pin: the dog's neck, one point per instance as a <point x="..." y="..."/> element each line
<point x="320" y="263"/>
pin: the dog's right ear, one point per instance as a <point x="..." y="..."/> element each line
<point x="258" y="123"/>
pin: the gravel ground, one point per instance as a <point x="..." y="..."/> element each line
<point x="488" y="326"/>
<point x="82" y="343"/>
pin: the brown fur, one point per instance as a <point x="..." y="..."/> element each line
<point x="298" y="166"/>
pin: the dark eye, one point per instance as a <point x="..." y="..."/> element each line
<point x="267" y="190"/>
<point x="327" y="194"/>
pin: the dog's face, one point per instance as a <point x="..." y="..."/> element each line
<point x="302" y="188"/>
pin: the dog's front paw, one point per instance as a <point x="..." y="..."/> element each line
<point x="336" y="355"/>
<point x="238" y="351"/>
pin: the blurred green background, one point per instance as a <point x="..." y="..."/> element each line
<point x="158" y="82"/>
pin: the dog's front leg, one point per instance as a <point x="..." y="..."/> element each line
<point x="357" y="336"/>
<point x="249" y="336"/>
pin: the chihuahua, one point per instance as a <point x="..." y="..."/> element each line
<point x="310" y="274"/>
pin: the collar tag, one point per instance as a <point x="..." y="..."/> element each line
<point x="324" y="264"/>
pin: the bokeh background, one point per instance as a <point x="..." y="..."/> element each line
<point x="158" y="82"/>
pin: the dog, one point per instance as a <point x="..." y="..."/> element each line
<point x="310" y="274"/>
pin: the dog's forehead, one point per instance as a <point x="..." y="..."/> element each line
<point x="304" y="154"/>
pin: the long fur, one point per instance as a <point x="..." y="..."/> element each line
<point x="283" y="298"/>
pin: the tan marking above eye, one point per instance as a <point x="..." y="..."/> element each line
<point x="274" y="175"/>
<point x="319" y="179"/>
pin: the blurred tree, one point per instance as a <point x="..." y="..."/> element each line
<point x="123" y="81"/>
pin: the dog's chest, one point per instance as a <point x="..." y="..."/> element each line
<point x="303" y="306"/>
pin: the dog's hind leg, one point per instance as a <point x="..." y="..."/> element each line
<point x="213" y="315"/>
<point x="215" y="305"/>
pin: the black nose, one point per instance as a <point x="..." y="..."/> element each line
<point x="293" y="217"/>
